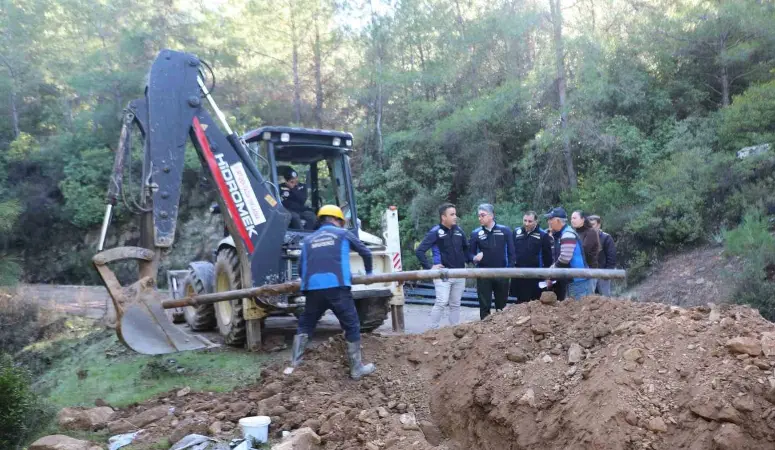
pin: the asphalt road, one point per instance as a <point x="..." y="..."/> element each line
<point x="93" y="302"/>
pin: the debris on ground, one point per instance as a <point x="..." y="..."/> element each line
<point x="598" y="373"/>
<point x="62" y="442"/>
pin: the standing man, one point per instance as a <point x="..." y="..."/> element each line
<point x="326" y="281"/>
<point x="450" y="250"/>
<point x="606" y="257"/>
<point x="568" y="252"/>
<point x="294" y="197"/>
<point x="493" y="247"/>
<point x="533" y="248"/>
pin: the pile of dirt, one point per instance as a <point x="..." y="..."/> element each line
<point x="600" y="373"/>
<point x="689" y="278"/>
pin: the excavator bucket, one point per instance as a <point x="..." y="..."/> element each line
<point x="141" y="323"/>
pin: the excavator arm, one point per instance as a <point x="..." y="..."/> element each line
<point x="170" y="115"/>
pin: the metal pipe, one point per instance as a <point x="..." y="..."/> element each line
<point x="293" y="286"/>
<point x="215" y="107"/>
<point x="104" y="229"/>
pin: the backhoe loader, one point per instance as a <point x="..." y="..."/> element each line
<point x="259" y="248"/>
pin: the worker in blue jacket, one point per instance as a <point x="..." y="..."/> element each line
<point x="533" y="249"/>
<point x="326" y="281"/>
<point x="492" y="246"/>
<point x="449" y="246"/>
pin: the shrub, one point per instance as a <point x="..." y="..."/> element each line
<point x="22" y="412"/>
<point x="18" y="322"/>
<point x="754" y="285"/>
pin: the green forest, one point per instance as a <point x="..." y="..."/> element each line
<point x="631" y="109"/>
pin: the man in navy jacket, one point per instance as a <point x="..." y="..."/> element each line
<point x="492" y="246"/>
<point x="449" y="246"/>
<point x="533" y="248"/>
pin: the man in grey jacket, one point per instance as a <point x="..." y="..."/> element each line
<point x="607" y="256"/>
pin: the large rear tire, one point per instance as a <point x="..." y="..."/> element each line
<point x="228" y="314"/>
<point x="372" y="312"/>
<point x="199" y="281"/>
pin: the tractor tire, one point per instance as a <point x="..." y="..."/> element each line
<point x="199" y="281"/>
<point x="372" y="312"/>
<point x="228" y="314"/>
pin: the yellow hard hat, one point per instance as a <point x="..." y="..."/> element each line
<point x="332" y="211"/>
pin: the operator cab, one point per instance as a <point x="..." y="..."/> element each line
<point x="320" y="161"/>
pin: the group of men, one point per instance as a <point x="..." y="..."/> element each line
<point x="580" y="244"/>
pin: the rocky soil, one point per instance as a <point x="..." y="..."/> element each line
<point x="596" y="374"/>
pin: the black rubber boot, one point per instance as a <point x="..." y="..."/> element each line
<point x="299" y="343"/>
<point x="357" y="368"/>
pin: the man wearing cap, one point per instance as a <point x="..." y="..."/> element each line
<point x="326" y="281"/>
<point x="492" y="246"/>
<point x="449" y="246"/>
<point x="533" y="248"/>
<point x="568" y="252"/>
<point x="294" y="197"/>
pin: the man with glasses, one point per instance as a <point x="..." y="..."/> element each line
<point x="493" y="247"/>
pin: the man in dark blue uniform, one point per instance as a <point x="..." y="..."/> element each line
<point x="326" y="281"/>
<point x="533" y="248"/>
<point x="492" y="246"/>
<point x="449" y="245"/>
<point x="294" y="197"/>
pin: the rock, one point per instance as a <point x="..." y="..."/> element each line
<point x="624" y="326"/>
<point x="631" y="418"/>
<point x="540" y="327"/>
<point x="548" y="298"/>
<point x="85" y="419"/>
<point x="572" y="371"/>
<point x="301" y="439"/>
<point x="382" y="412"/>
<point x="270" y="389"/>
<point x="268" y="404"/>
<point x="312" y="423"/>
<point x="547" y="359"/>
<point x="183" y="392"/>
<point x="633" y="354"/>
<point x="704" y="410"/>
<point x="600" y="332"/>
<point x="61" y="442"/>
<point x="768" y="343"/>
<point x="459" y="332"/>
<point x="215" y="428"/>
<point x="100" y="402"/>
<point x="432" y="433"/>
<point x="729" y="414"/>
<point x="333" y="421"/>
<point x="521" y="320"/>
<point x="744" y="403"/>
<point x="528" y="398"/>
<point x="715" y="315"/>
<point x="409" y="422"/>
<point x="729" y="437"/>
<point x="401" y="407"/>
<point x="516" y="355"/>
<point x="657" y="425"/>
<point x="186" y="427"/>
<point x="744" y="345"/>
<point x="575" y="353"/>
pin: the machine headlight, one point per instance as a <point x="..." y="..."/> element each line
<point x="285" y="137"/>
<point x="337" y="142"/>
<point x="267" y="135"/>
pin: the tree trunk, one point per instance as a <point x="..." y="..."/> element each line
<point x="559" y="50"/>
<point x="724" y="86"/>
<point x="295" y="68"/>
<point x="14" y="111"/>
<point x="318" y="79"/>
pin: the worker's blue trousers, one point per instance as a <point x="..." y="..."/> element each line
<point x="340" y="301"/>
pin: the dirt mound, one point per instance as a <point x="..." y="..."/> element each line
<point x="602" y="374"/>
<point x="689" y="278"/>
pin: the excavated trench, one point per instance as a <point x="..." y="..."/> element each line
<point x="600" y="373"/>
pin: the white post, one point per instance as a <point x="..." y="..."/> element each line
<point x="390" y="233"/>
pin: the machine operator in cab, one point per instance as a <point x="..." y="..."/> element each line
<point x="294" y="197"/>
<point x="326" y="281"/>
